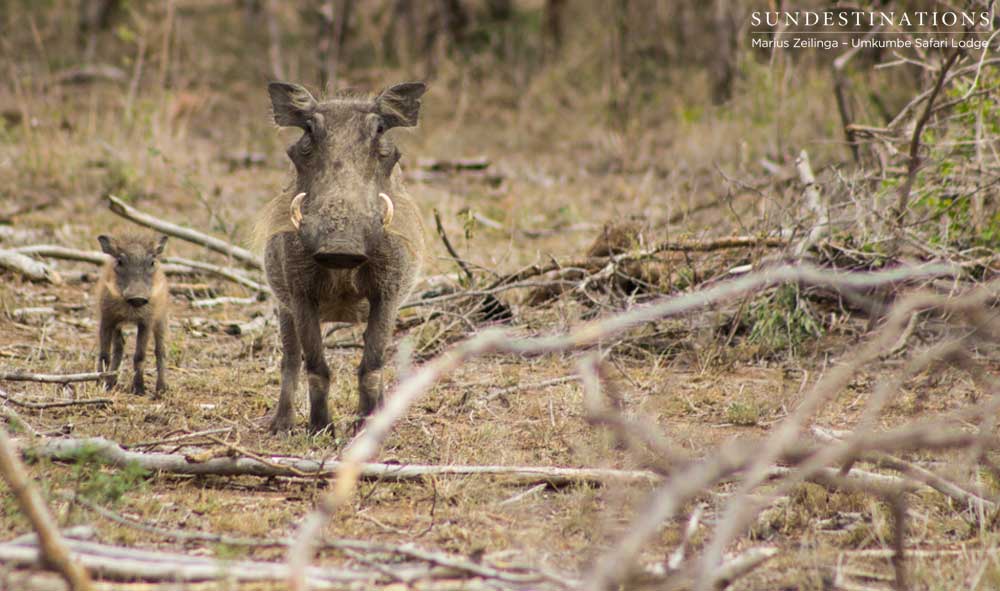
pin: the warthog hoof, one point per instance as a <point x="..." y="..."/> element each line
<point x="138" y="388"/>
<point x="317" y="427"/>
<point x="110" y="383"/>
<point x="279" y="423"/>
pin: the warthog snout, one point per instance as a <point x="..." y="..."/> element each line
<point x="138" y="302"/>
<point x="340" y="260"/>
<point x="339" y="240"/>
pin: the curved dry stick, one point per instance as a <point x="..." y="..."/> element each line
<point x="367" y="443"/>
<point x="210" y="242"/>
<point x="53" y="551"/>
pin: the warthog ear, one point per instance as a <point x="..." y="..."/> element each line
<point x="160" y="246"/>
<point x="292" y="104"/>
<point x="399" y="105"/>
<point x="108" y="245"/>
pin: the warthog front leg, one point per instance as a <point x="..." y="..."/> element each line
<point x="117" y="350"/>
<point x="307" y="324"/>
<point x="161" y="370"/>
<point x="381" y="319"/>
<point x="110" y="354"/>
<point x="291" y="362"/>
<point x="139" y="358"/>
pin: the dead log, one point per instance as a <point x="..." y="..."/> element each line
<point x="113" y="454"/>
<point x="53" y="378"/>
<point x="127" y="564"/>
<point x="29" y="267"/>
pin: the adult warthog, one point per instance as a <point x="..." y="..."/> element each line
<point x="344" y="242"/>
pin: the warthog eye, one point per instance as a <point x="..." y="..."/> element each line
<point x="119" y="262"/>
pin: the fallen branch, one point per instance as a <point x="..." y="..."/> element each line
<point x="53" y="251"/>
<point x="500" y="393"/>
<point x="113" y="454"/>
<point x="408" y="550"/>
<point x="179" y="438"/>
<point x="229" y="273"/>
<point x="221" y="246"/>
<point x="708" y="245"/>
<point x="813" y="203"/>
<point x="55" y="378"/>
<point x="29" y="267"/>
<point x="742" y="564"/>
<point x="56" y="404"/>
<point x="125" y="564"/>
<point x="18" y="422"/>
<point x="916" y="472"/>
<point x="95" y="257"/>
<point x="52" y="549"/>
<point x="222" y="301"/>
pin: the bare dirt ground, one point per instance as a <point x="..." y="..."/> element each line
<point x="553" y="194"/>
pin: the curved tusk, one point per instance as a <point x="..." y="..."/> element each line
<point x="389" y="209"/>
<point x="296" y="210"/>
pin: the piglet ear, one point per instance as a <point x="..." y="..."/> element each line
<point x="160" y="245"/>
<point x="399" y="105"/>
<point x="107" y="245"/>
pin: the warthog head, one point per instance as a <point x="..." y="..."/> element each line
<point x="343" y="162"/>
<point x="134" y="265"/>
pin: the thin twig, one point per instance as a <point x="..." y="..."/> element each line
<point x="913" y="164"/>
<point x="451" y="249"/>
